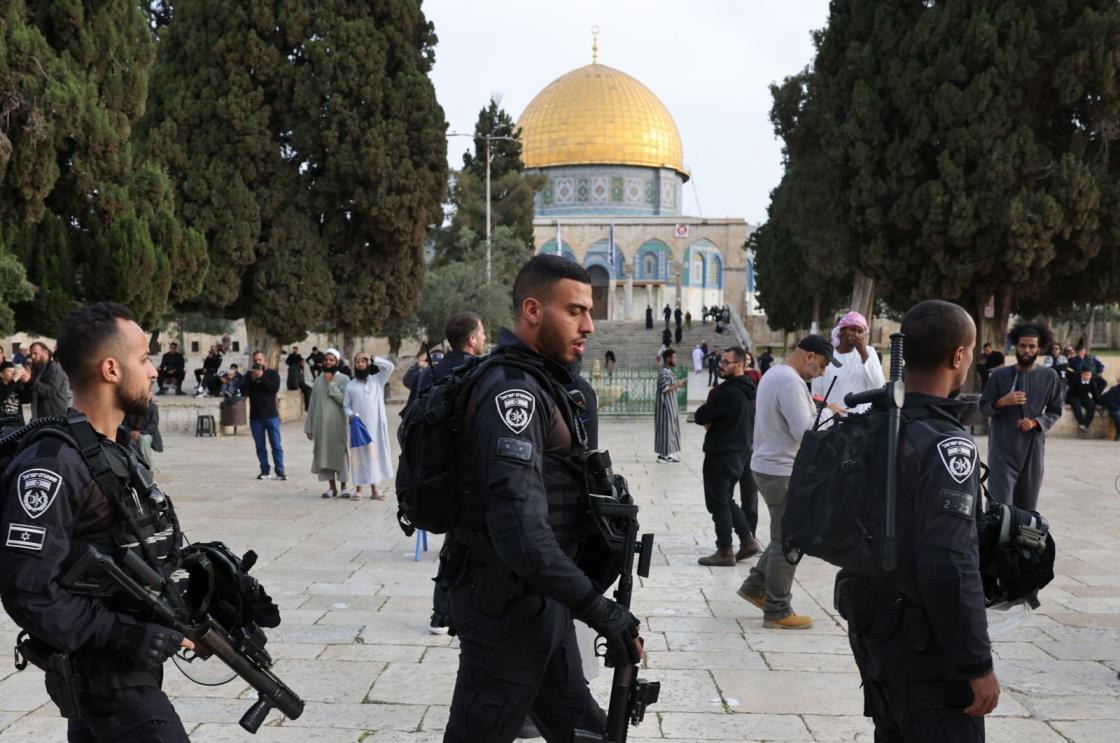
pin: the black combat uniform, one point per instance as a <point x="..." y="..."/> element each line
<point x="921" y="634"/>
<point x="513" y="605"/>
<point x="52" y="510"/>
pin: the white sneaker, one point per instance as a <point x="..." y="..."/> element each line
<point x="346" y="494"/>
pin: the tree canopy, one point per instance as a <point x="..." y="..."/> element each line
<point x="89" y="215"/>
<point x="309" y="150"/>
<point x="968" y="149"/>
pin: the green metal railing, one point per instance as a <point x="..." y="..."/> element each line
<point x="632" y="392"/>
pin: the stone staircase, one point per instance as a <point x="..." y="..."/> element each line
<point x="635" y="347"/>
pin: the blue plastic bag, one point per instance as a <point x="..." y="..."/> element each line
<point x="359" y="434"/>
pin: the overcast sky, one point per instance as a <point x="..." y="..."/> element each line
<point x="709" y="61"/>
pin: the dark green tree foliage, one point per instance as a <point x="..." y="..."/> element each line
<point x="971" y="142"/>
<point x="88" y="215"/>
<point x="458" y="286"/>
<point x="309" y="150"/>
<point x="804" y="251"/>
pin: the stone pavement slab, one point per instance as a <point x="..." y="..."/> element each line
<point x="355" y="644"/>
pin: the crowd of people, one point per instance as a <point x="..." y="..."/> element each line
<point x="511" y="559"/>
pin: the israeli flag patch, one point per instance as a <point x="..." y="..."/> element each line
<point x="26" y="537"/>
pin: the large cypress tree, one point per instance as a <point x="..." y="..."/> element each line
<point x="86" y="212"/>
<point x="804" y="251"/>
<point x="309" y="150"/>
<point x="972" y="144"/>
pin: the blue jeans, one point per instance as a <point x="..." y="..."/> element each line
<point x="271" y="426"/>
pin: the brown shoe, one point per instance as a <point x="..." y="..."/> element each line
<point x="750" y="548"/>
<point x="758" y="600"/>
<point x="719" y="559"/>
<point x="792" y="621"/>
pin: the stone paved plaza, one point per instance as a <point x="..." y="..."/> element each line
<point x="354" y="641"/>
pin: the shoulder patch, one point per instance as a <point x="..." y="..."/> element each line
<point x="958" y="454"/>
<point x="516" y="408"/>
<point x="36" y="489"/>
<point x="24" y="537"/>
<point x="516" y="449"/>
<point x="955" y="502"/>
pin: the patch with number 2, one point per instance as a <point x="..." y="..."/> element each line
<point x="955" y="502"/>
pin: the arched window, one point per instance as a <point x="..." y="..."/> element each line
<point x="652" y="260"/>
<point x="704" y="265"/>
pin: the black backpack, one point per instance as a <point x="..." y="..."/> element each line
<point x="431" y="478"/>
<point x="828" y="514"/>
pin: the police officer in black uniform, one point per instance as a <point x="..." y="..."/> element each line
<point x="54" y="506"/>
<point x="920" y="635"/>
<point x="520" y="588"/>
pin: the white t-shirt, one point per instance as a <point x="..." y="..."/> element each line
<point x="855" y="376"/>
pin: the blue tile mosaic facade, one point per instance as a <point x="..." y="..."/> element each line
<point x="606" y="190"/>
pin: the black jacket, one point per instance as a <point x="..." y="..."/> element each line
<point x="1091" y="392"/>
<point x="938" y="573"/>
<point x="146" y="424"/>
<point x="262" y="394"/>
<point x="516" y="429"/>
<point x="50" y="391"/>
<point x="730" y="411"/>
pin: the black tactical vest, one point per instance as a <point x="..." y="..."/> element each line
<point x="565" y="481"/>
<point x="143" y="520"/>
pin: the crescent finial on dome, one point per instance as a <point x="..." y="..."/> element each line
<point x="594" y="45"/>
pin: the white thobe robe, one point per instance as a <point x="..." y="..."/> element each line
<point x="365" y="399"/>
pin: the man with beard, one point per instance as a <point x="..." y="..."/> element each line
<point x="919" y="633"/>
<point x="728" y="418"/>
<point x="50" y="387"/>
<point x="518" y="590"/>
<point x="365" y="401"/>
<point x="1024" y="402"/>
<point x="54" y="503"/>
<point x="326" y="426"/>
<point x="666" y="413"/>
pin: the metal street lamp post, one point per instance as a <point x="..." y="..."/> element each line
<point x="487" y="138"/>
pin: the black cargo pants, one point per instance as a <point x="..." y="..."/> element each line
<point x="525" y="661"/>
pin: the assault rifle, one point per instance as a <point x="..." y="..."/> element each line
<point x="243" y="656"/>
<point x="616" y="517"/>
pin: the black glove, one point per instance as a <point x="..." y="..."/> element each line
<point x="262" y="609"/>
<point x="149" y="644"/>
<point x="614" y="622"/>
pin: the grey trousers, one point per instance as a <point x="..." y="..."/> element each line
<point x="772" y="575"/>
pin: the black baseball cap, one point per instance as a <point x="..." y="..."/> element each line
<point x="819" y="344"/>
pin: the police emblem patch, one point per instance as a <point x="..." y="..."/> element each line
<point x="516" y="408"/>
<point x="959" y="457"/>
<point x="37" y="489"/>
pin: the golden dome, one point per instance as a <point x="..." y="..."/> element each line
<point x="597" y="115"/>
